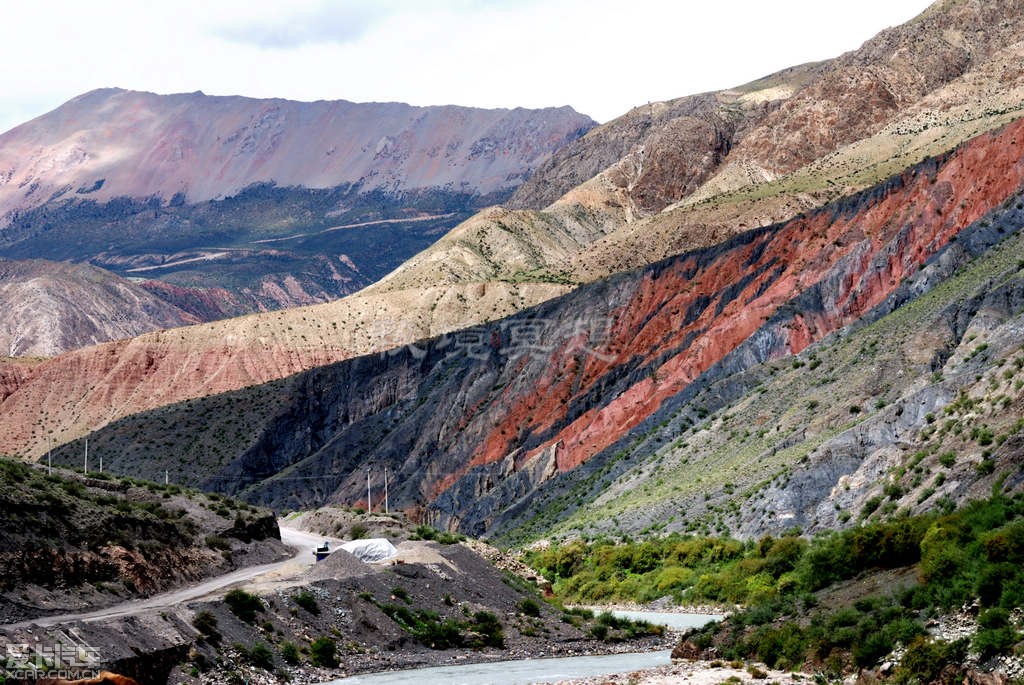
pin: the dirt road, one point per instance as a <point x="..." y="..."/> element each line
<point x="300" y="541"/>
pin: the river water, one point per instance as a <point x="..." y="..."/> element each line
<point x="669" y="620"/>
<point x="528" y="671"/>
<point x="520" y="672"/>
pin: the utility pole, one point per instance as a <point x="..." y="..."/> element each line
<point x="167" y="476"/>
<point x="49" y="460"/>
<point x="386" y="490"/>
<point x="87" y="456"/>
<point x="101" y="463"/>
<point x="369" y="502"/>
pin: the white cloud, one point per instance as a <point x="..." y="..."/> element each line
<point x="600" y="56"/>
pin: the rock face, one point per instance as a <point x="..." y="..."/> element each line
<point x="53" y="307"/>
<point x="257" y="205"/>
<point x="473" y="424"/>
<point x="771" y="127"/>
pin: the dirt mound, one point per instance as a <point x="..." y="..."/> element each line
<point x="339" y="564"/>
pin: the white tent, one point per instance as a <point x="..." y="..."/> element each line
<point x="371" y="550"/>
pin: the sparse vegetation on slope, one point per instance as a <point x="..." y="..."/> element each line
<point x="72" y="541"/>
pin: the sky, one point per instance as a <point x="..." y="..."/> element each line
<point x="602" y="57"/>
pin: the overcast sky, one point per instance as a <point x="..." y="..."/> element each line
<point x="602" y="57"/>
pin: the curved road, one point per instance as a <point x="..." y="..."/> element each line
<point x="301" y="541"/>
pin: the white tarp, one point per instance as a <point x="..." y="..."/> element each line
<point x="371" y="550"/>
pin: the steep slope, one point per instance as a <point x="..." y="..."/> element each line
<point x="917" y="407"/>
<point x="501" y="261"/>
<point x="72" y="542"/>
<point x="51" y="307"/>
<point x="471" y="424"/>
<point x="282" y="203"/>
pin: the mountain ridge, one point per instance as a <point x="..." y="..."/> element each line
<point x="503" y="260"/>
<point x="509" y="422"/>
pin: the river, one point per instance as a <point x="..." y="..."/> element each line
<point x="527" y="671"/>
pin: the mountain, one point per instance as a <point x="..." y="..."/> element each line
<point x="53" y="307"/>
<point x="281" y="203"/>
<point x="506" y="260"/>
<point x="502" y="427"/>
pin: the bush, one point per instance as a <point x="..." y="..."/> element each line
<point x="358" y="531"/>
<point x="599" y="631"/>
<point x="261" y="657"/>
<point x="528" y="607"/>
<point x="243" y="605"/>
<point x="992" y="641"/>
<point x="206" y="623"/>
<point x="290" y="653"/>
<point x="994" y="618"/>
<point x="424" y="532"/>
<point x="216" y="542"/>
<point x="488" y="627"/>
<point x="925" y="659"/>
<point x="307" y="601"/>
<point x="322" y="652"/>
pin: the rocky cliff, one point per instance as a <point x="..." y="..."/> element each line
<point x="471" y="424"/>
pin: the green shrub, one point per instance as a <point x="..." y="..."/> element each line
<point x="206" y="623"/>
<point x="289" y="652"/>
<point x="489" y="628"/>
<point x="358" y="531"/>
<point x="216" y="542"/>
<point x="243" y="605"/>
<point x="261" y="657"/>
<point x="307" y="601"/>
<point x="925" y="659"/>
<point x="992" y="641"/>
<point x="322" y="652"/>
<point x="529" y="607"/>
<point x="424" y="532"/>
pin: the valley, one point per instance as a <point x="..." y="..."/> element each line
<point x="757" y="352"/>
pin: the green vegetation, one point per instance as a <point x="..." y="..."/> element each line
<point x="206" y="623"/>
<point x="243" y="605"/>
<point x="529" y="607"/>
<point x="289" y="652"/>
<point x="323" y="652"/>
<point x="482" y="630"/>
<point x="975" y="553"/>
<point x="261" y="657"/>
<point x="307" y="601"/>
<point x="442" y="537"/>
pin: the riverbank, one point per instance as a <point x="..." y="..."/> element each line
<point x="694" y="673"/>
